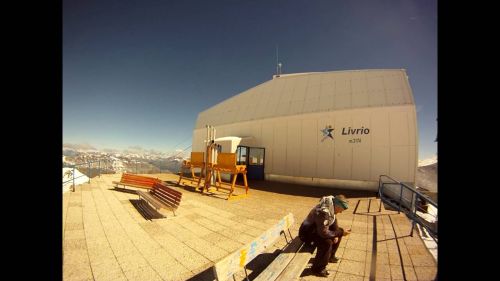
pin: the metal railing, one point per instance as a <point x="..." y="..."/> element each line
<point x="412" y="202"/>
<point x="89" y="166"/>
<point x="96" y="168"/>
<point x="142" y="167"/>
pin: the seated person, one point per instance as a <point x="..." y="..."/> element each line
<point x="321" y="229"/>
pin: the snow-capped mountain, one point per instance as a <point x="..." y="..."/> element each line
<point x="132" y="159"/>
<point x="428" y="161"/>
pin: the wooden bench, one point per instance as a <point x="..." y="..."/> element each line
<point x="136" y="181"/>
<point x="162" y="196"/>
<point x="238" y="260"/>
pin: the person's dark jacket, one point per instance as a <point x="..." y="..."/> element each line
<point x="315" y="224"/>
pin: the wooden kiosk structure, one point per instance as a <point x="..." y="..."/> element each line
<point x="226" y="163"/>
<point x="217" y="163"/>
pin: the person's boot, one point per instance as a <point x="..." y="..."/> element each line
<point x="321" y="273"/>
<point x="333" y="259"/>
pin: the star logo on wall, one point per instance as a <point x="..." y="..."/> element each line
<point x="327" y="132"/>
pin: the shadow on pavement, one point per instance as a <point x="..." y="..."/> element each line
<point x="257" y="265"/>
<point x="125" y="190"/>
<point x="146" y="210"/>
<point x="306" y="190"/>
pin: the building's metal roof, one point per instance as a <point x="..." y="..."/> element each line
<point x="303" y="93"/>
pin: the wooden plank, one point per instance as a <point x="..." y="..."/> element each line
<point x="167" y="202"/>
<point x="226" y="159"/>
<point x="170" y="191"/>
<point x="132" y="177"/>
<point x="277" y="266"/>
<point x="159" y="199"/>
<point x="135" y="185"/>
<point x="197" y="159"/>
<point x="165" y="193"/>
<point x="165" y="196"/>
<point x="138" y="182"/>
<point x="148" y="197"/>
<point x="297" y="265"/>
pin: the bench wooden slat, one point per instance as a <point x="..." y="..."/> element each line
<point x="137" y="181"/>
<point x="148" y="184"/>
<point x="169" y="191"/>
<point x="135" y="185"/>
<point x="140" y="179"/>
<point x="171" y="201"/>
<point x="146" y="181"/>
<point x="148" y="198"/>
<point x="297" y="264"/>
<point x="134" y="176"/>
<point x="277" y="266"/>
<point x="151" y="199"/>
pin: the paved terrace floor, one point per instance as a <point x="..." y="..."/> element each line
<point x="107" y="237"/>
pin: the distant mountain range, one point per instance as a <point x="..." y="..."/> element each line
<point x="428" y="161"/>
<point x="131" y="152"/>
<point x="427" y="177"/>
<point x="133" y="159"/>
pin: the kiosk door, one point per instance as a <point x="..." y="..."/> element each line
<point x="253" y="157"/>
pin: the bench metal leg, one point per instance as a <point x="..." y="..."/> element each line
<point x="246" y="274"/>
<point x="284" y="234"/>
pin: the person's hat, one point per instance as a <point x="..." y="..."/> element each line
<point x="341" y="203"/>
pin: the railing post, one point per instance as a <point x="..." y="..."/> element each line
<point x="414" y="211"/>
<point x="73" y="188"/>
<point x="400" y="197"/>
<point x="88" y="171"/>
<point x="99" y="168"/>
<point x="380" y="193"/>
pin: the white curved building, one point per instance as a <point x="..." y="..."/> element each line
<point x="340" y="128"/>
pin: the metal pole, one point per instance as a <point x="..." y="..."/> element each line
<point x="213" y="151"/>
<point x="414" y="213"/>
<point x="73" y="188"/>
<point x="206" y="153"/>
<point x="381" y="187"/>
<point x="99" y="168"/>
<point x="379" y="193"/>
<point x="88" y="171"/>
<point x="400" y="197"/>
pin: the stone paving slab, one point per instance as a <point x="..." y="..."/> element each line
<point x="106" y="237"/>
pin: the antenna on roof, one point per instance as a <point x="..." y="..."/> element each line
<point x="278" y="64"/>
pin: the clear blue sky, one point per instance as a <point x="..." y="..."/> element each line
<point x="137" y="73"/>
